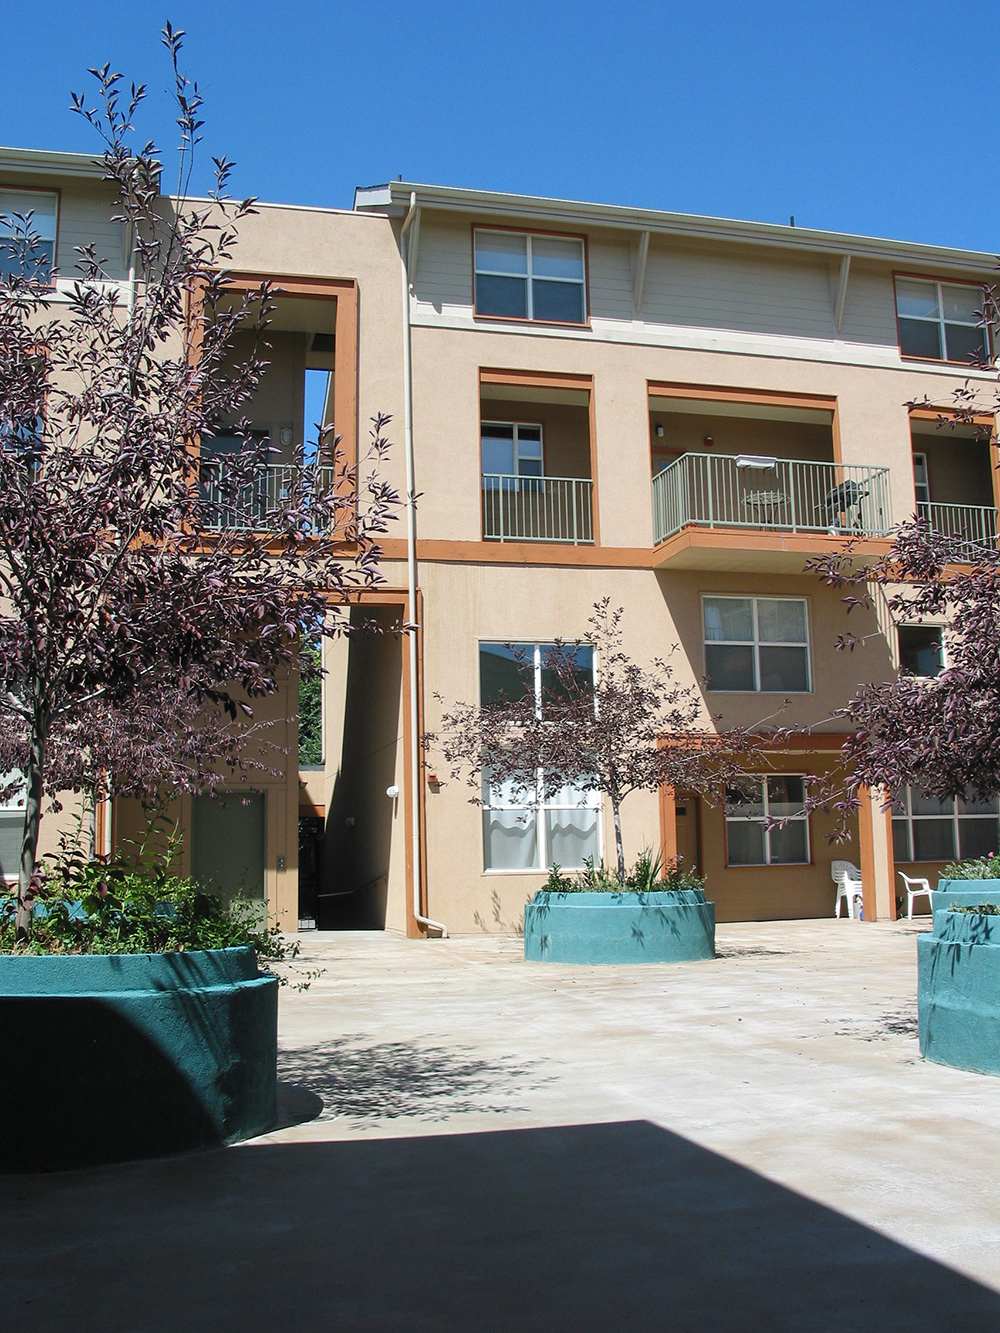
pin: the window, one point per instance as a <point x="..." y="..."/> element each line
<point x="559" y="827"/>
<point x="510" y="449"/>
<point x="15" y="205"/>
<point x="757" y="643"/>
<point x="522" y="276"/>
<point x="921" y="649"/>
<point x="749" y="807"/>
<point x="921" y="483"/>
<point x="11" y="829"/>
<point x="941" y="321"/>
<point x="925" y="829"/>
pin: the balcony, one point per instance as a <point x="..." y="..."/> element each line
<point x="750" y="511"/>
<point x="257" y="506"/>
<point x="972" y="526"/>
<point x="538" y="509"/>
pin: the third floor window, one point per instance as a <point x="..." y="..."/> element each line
<point x="15" y="256"/>
<point x="524" y="276"/>
<point x="941" y="321"/>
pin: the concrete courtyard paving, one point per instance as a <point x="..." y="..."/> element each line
<point x="469" y="1141"/>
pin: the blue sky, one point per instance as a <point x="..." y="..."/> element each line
<point x="875" y="118"/>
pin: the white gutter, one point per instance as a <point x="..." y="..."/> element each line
<point x="489" y="203"/>
<point x="411" y="568"/>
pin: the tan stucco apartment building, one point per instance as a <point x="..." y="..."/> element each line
<point x="591" y="401"/>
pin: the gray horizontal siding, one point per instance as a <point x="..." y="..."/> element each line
<point x="84" y="219"/>
<point x="688" y="286"/>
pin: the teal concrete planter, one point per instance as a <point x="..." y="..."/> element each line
<point x="109" y="1057"/>
<point x="964" y="893"/>
<point x="958" y="982"/>
<point x="671" y="927"/>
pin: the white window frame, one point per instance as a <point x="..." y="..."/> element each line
<point x="15" y="805"/>
<point x="908" y="818"/>
<point x="756" y="819"/>
<point x="517" y="426"/>
<point x="756" y="643"/>
<point x="540" y="806"/>
<point x="940" y="321"/>
<point x="52" y="195"/>
<point x="529" y="275"/>
<point x="914" y="624"/>
<point x="924" y="485"/>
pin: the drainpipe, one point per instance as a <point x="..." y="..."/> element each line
<point x="411" y="569"/>
<point x="131" y="270"/>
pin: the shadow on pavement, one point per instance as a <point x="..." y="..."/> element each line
<point x="404" y="1080"/>
<point x="583" y="1227"/>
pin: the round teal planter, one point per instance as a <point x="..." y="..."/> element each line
<point x="619" y="927"/>
<point x="958" y="981"/>
<point x="109" y="1057"/>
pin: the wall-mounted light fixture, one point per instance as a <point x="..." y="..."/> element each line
<point x="708" y="442"/>
<point x="659" y="430"/>
<point x="285" y="435"/>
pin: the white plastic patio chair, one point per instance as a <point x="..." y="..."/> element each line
<point x="915" y="888"/>
<point x="847" y="877"/>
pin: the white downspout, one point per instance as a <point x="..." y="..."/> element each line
<point x="411" y="570"/>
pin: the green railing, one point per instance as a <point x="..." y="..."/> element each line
<point x="768" y="494"/>
<point x="971" y="526"/>
<point x="259" y="504"/>
<point x="538" y="509"/>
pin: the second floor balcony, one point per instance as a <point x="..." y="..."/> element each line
<point x="538" y="509"/>
<point x="970" y="526"/>
<point x="260" y="505"/>
<point x="744" y="497"/>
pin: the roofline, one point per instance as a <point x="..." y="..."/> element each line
<point x="39" y="161"/>
<point x="394" y="198"/>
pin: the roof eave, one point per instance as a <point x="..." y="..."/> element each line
<point x="394" y="197"/>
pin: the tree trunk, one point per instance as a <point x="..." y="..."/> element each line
<point x="32" y="821"/>
<point x="618" y="839"/>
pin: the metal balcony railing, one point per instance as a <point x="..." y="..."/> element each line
<point x="538" y="509"/>
<point x="257" y="505"/>
<point x="971" y="525"/>
<point x="770" y="494"/>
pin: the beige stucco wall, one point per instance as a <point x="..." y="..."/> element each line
<point x="873" y="420"/>
<point x="464" y="605"/>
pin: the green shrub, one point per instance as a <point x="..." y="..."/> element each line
<point x="646" y="876"/>
<point x="983" y="867"/>
<point x="984" y="909"/>
<point x="134" y="903"/>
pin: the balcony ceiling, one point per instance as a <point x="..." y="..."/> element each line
<point x="706" y="407"/>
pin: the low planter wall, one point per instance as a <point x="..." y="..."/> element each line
<point x="958" y="984"/>
<point x="119" y="1056"/>
<point x="965" y="893"/>
<point x="619" y="927"/>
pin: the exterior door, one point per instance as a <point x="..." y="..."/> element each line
<point x="227" y="843"/>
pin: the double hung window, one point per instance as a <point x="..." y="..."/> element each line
<point x="510" y="449"/>
<point x="547" y="826"/>
<point x="11" y="829"/>
<point x="524" y="276"/>
<point x="941" y="321"/>
<point x="38" y="260"/>
<point x="757" y="644"/>
<point x="926" y="829"/>
<point x="750" y="838"/>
